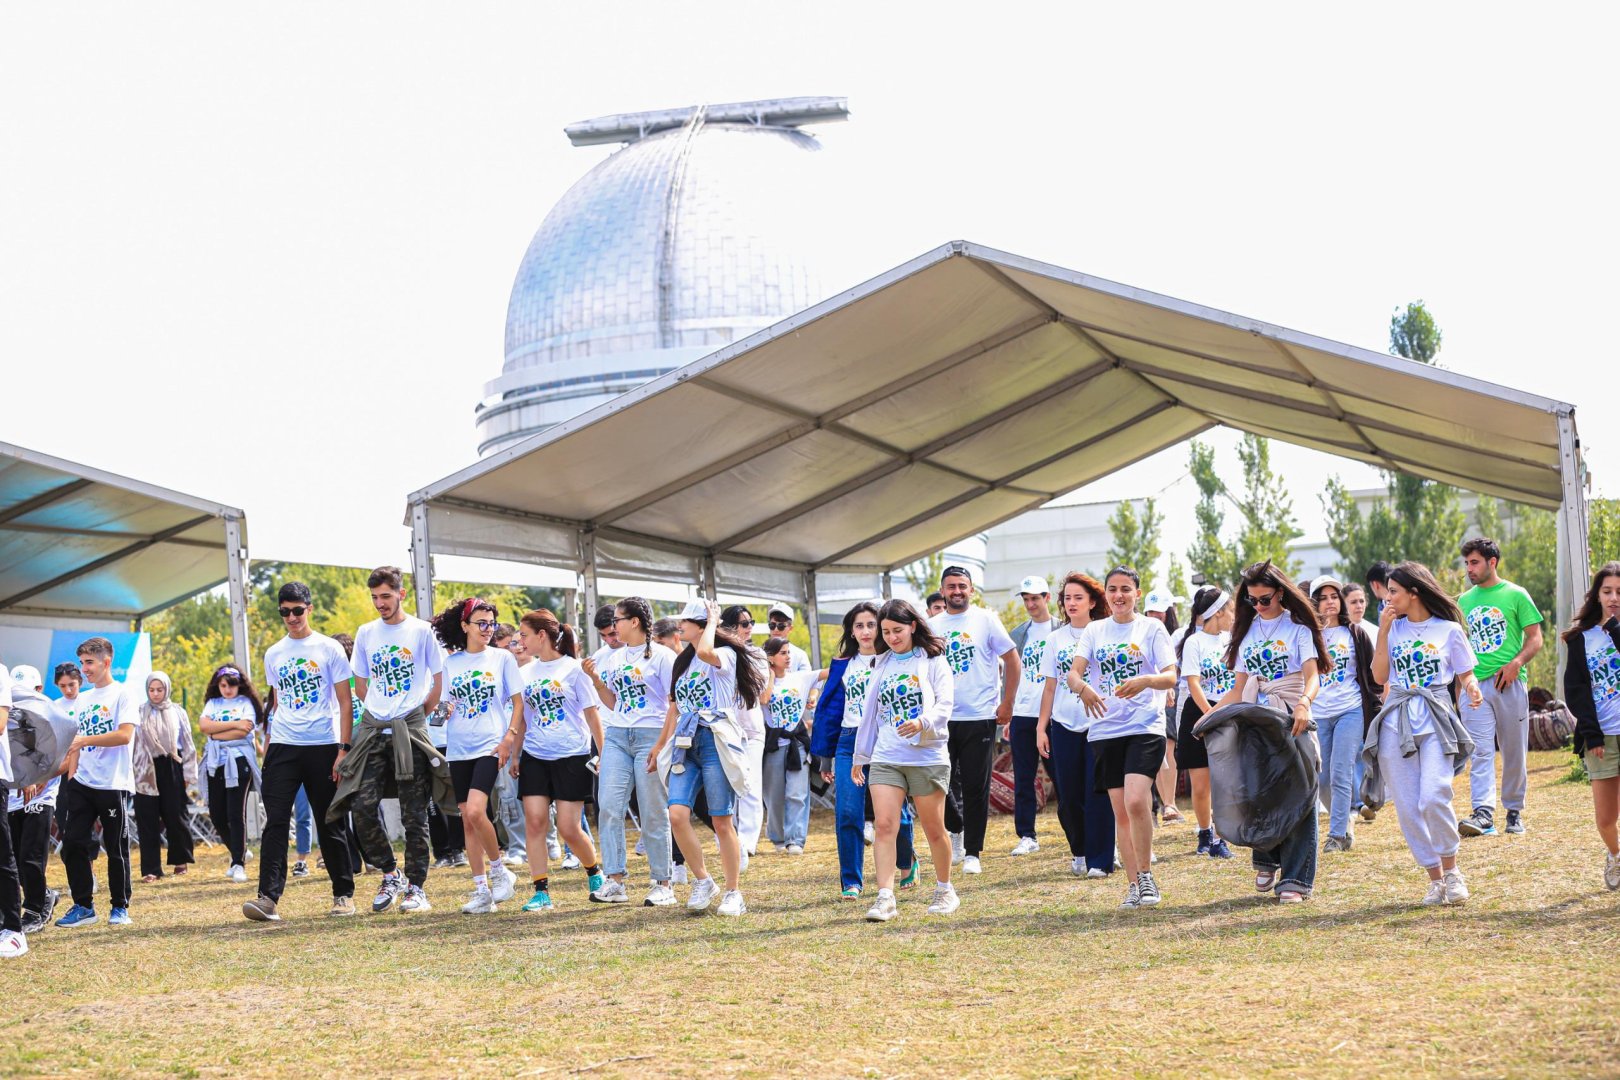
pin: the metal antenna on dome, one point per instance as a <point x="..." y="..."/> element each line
<point x="768" y="112"/>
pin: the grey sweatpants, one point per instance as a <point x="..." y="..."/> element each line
<point x="1502" y="722"/>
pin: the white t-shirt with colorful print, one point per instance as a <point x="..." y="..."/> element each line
<point x="857" y="684"/>
<point x="707" y="687"/>
<point x="639" y="678"/>
<point x="305" y="672"/>
<point x="1033" y="658"/>
<point x="101" y="710"/>
<point x="556" y="694"/>
<point x="398" y="662"/>
<point x="1116" y="652"/>
<point x="1067" y="707"/>
<point x="789" y="703"/>
<point x="479" y="688"/>
<point x="1430" y="653"/>
<point x="975" y="642"/>
<point x="899" y="693"/>
<point x="1204" y="654"/>
<point x="1603" y="665"/>
<point x="1339" y="692"/>
<point x="1273" y="648"/>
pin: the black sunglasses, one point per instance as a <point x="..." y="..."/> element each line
<point x="745" y="621"/>
<point x="1258" y="602"/>
<point x="293" y="612"/>
<point x="780" y="625"/>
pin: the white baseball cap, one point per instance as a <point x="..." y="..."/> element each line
<point x="782" y="610"/>
<point x="1326" y="579"/>
<point x="27" y="675"/>
<point x="695" y="611"/>
<point x="1161" y="601"/>
<point x="1035" y="585"/>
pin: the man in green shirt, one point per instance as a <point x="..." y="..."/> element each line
<point x="1504" y="627"/>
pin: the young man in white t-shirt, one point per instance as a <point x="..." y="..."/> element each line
<point x="309" y="735"/>
<point x="398" y="672"/>
<point x="978" y="650"/>
<point x="100" y="788"/>
<point x="779" y="620"/>
<point x="1030" y="639"/>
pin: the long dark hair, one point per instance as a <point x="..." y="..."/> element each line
<point x="1414" y="577"/>
<point x="447" y="624"/>
<point x="634" y="607"/>
<point x="1171" y="623"/>
<point x="1344" y="607"/>
<point x="847" y="645"/>
<point x="560" y="634"/>
<point x="1591" y="612"/>
<point x="750" y="683"/>
<point x="1293" y="602"/>
<point x="922" y="635"/>
<point x="241" y="679"/>
<point x="1094" y="589"/>
<point x="1203" y="600"/>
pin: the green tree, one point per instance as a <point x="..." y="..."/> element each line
<point x="1265" y="509"/>
<point x="1414" y="334"/>
<point x="1136" y="539"/>
<point x="1177" y="578"/>
<point x="1209" y="554"/>
<point x="923" y="575"/>
<point x="1603" y="530"/>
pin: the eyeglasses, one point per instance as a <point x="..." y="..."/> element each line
<point x="617" y="619"/>
<point x="486" y="625"/>
<point x="293" y="612"/>
<point x="1259" y="601"/>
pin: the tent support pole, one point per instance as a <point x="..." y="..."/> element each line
<point x="571" y="606"/>
<point x="587" y="552"/>
<point x="888" y="584"/>
<point x="236" y="577"/>
<point x="710" y="585"/>
<point x="1574" y="555"/>
<point x="812" y="616"/>
<point x="421" y="561"/>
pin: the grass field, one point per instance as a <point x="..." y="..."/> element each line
<point x="1037" y="974"/>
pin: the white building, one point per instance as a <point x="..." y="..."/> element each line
<point x="1049" y="542"/>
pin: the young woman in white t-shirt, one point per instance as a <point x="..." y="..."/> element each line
<point x="230" y="761"/>
<point x="1344" y="708"/>
<point x="785" y="768"/>
<point x="1061" y="725"/>
<point x="1201" y="659"/>
<point x="483" y="695"/>
<point x="1422" y="649"/>
<point x="903" y="737"/>
<point x="1122" y="668"/>
<point x="1592" y="692"/>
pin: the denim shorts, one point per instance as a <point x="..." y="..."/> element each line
<point x="703" y="773"/>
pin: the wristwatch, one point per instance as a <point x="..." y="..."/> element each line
<point x="345" y="747"/>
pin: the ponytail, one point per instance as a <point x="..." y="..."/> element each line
<point x="560" y="634"/>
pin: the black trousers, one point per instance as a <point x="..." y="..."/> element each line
<point x="10" y="885"/>
<point x="285" y="770"/>
<point x="447" y="834"/>
<point x="967" y="804"/>
<point x="84" y="807"/>
<point x="163" y="817"/>
<point x="228" y="808"/>
<point x="31" y="846"/>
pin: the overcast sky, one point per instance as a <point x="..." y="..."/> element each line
<point x="264" y="255"/>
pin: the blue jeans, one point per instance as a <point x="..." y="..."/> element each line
<point x="849" y="809"/>
<point x="703" y="773"/>
<point x="1026" y="761"/>
<point x="303" y="823"/>
<point x="1341" y="738"/>
<point x="1087" y="817"/>
<point x="1295" y="857"/>
<point x="511" y="804"/>
<point x="787" y="798"/>
<point x="623" y="767"/>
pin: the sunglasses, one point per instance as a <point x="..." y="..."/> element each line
<point x="780" y="625"/>
<point x="1259" y="601"/>
<point x="293" y="612"/>
<point x="745" y="621"/>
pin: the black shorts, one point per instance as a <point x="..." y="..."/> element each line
<point x="564" y="780"/>
<point x="1191" y="753"/>
<point x="1119" y="757"/>
<point x="478" y="772"/>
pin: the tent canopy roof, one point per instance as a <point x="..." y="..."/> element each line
<point x="947" y="395"/>
<point x="82" y="542"/>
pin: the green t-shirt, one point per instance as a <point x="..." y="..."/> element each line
<point x="1496" y="618"/>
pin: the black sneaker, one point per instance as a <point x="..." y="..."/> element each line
<point x="1206" y="837"/>
<point x="52" y="898"/>
<point x="1515" y="822"/>
<point x="1479" y="823"/>
<point x="1147" y="890"/>
<point x="388" y="892"/>
<point x="33" y="922"/>
<point x="300" y="868"/>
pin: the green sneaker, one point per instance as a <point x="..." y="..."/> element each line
<point x="596" y="881"/>
<point x="910" y="877"/>
<point x="540" y="901"/>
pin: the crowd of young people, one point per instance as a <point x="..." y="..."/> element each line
<point x="676" y="722"/>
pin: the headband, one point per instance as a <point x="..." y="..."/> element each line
<point x="228" y="670"/>
<point x="472" y="605"/>
<point x="1217" y="604"/>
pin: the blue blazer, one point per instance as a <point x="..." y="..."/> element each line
<point x="829" y="712"/>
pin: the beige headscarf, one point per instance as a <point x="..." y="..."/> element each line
<point x="160" y="724"/>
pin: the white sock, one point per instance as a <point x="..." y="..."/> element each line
<point x="886" y="892"/>
<point x="480" y="880"/>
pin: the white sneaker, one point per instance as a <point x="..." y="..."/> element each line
<point x="677" y="874"/>
<point x="415" y="900"/>
<point x="554" y="850"/>
<point x="1611" y="871"/>
<point x="883" y="908"/>
<point x="1096" y="872"/>
<point x="12" y="945"/>
<point x="481" y="903"/>
<point x="869" y="832"/>
<point x="958" y="852"/>
<point x="732" y="904"/>
<point x="502" y="883"/>
<point x="703" y="891"/>
<point x="659" y="896"/>
<point x="641" y="848"/>
<point x="945" y="899"/>
<point x="742" y="860"/>
<point x="795" y="849"/>
<point x="1456" y="887"/>
<point x="1077" y="866"/>
<point x="512" y="862"/>
<point x="970" y="865"/>
<point x="571" y="862"/>
<point x="1153" y="858"/>
<point x="1027" y="845"/>
<point x="611" y="892"/>
<point x="247" y="854"/>
<point x="1436" y="893"/>
<point x="237" y="874"/>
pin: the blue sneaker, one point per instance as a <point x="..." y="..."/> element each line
<point x="1218" y="849"/>
<point x="77" y="915"/>
<point x="119" y="916"/>
<point x="1206" y="840"/>
<point x="596" y="881"/>
<point x="540" y="901"/>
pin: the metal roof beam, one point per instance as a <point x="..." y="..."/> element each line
<point x="44" y="498"/>
<point x="101" y="534"/>
<point x="105" y="560"/>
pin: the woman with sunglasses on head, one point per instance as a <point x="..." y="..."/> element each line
<point x="750" y="816"/>
<point x="230" y="760"/>
<point x="1201" y="659"/>
<point x="832" y="739"/>
<point x="1344" y="709"/>
<point x="1086" y="814"/>
<point x="479" y="683"/>
<point x="1277" y="656"/>
<point x="1418" y="742"/>
<point x="904" y="738"/>
<point x="1592" y="691"/>
<point x="1123" y="666"/>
